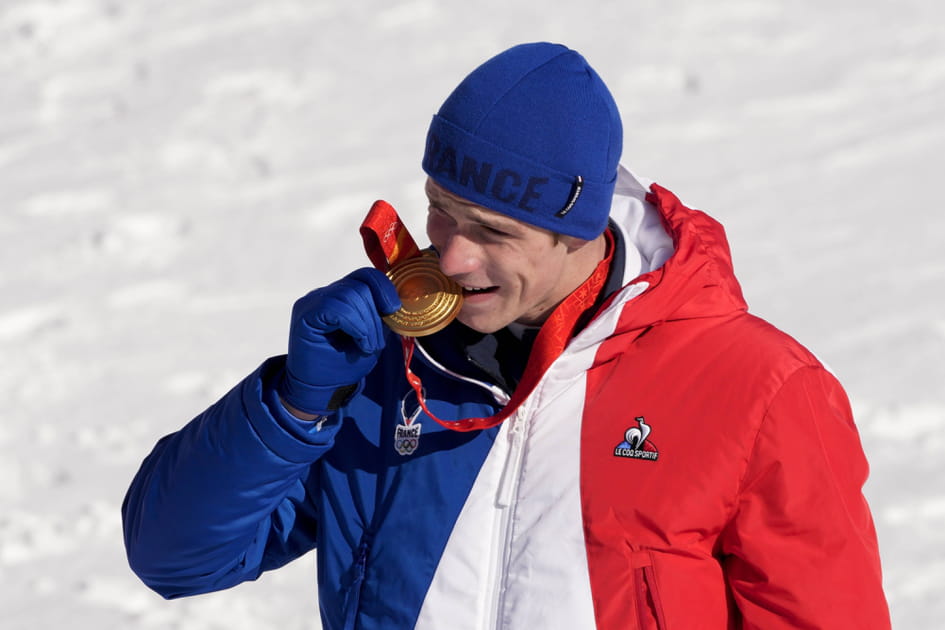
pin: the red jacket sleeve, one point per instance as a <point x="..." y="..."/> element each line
<point x="801" y="550"/>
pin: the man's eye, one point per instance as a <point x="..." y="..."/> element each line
<point x="494" y="232"/>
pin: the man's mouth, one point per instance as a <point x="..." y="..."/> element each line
<point x="471" y="290"/>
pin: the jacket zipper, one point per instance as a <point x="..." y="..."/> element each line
<point x="648" y="603"/>
<point x="505" y="510"/>
<point x="354" y="592"/>
<point x="505" y="494"/>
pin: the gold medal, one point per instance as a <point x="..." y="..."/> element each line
<point x="429" y="299"/>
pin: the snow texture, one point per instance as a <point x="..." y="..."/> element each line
<point x="173" y="175"/>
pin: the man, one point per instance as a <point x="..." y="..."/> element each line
<point x="663" y="459"/>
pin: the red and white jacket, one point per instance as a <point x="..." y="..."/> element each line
<point x="680" y="465"/>
<point x="736" y="502"/>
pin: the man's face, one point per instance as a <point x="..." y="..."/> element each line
<point x="510" y="271"/>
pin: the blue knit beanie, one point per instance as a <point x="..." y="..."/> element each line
<point x="532" y="133"/>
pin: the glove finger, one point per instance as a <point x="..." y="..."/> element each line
<point x="351" y="306"/>
<point x="373" y="340"/>
<point x="380" y="297"/>
<point x="351" y="317"/>
<point x="383" y="292"/>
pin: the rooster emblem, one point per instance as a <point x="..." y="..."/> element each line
<point x="635" y="444"/>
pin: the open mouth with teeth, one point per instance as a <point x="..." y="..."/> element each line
<point x="468" y="291"/>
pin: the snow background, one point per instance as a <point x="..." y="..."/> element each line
<point x="173" y="175"/>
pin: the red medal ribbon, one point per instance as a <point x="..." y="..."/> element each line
<point x="386" y="241"/>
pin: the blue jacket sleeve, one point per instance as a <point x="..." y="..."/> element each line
<point x="225" y="498"/>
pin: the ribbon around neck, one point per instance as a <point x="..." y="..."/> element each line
<point x="387" y="241"/>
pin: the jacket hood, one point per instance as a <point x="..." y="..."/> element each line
<point x="682" y="256"/>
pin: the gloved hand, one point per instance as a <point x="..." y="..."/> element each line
<point x="335" y="339"/>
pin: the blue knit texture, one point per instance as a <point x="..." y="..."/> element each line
<point x="533" y="133"/>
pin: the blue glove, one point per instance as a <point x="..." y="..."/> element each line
<point x="335" y="338"/>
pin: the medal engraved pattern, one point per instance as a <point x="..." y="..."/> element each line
<point x="430" y="300"/>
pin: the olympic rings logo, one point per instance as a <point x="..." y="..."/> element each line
<point x="406" y="446"/>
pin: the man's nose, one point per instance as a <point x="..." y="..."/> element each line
<point x="459" y="255"/>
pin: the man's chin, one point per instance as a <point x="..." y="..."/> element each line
<point x="485" y="325"/>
